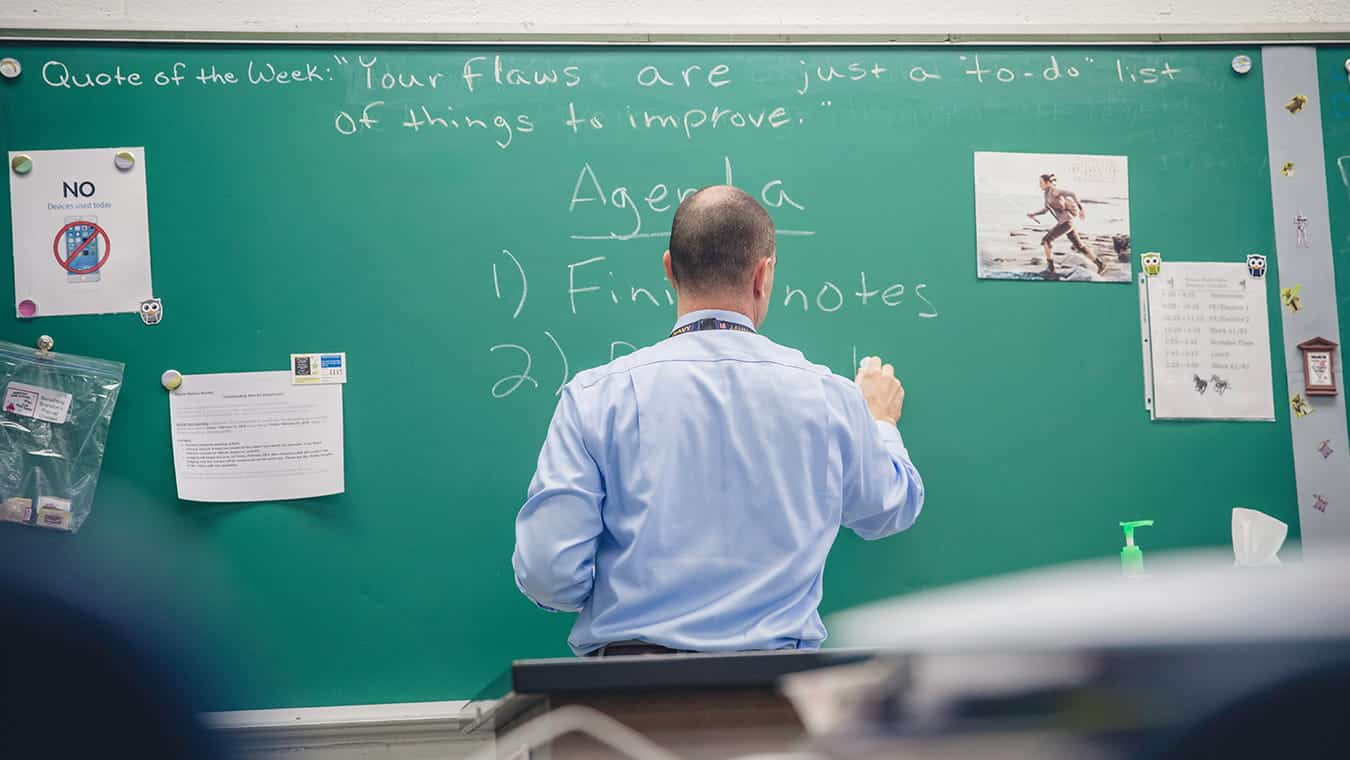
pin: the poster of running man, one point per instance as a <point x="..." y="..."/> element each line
<point x="1052" y="216"/>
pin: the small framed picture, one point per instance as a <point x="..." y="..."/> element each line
<point x="1319" y="368"/>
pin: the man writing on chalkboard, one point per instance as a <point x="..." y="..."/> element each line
<point x="688" y="493"/>
<point x="1065" y="207"/>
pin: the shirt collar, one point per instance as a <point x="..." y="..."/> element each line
<point x="722" y="314"/>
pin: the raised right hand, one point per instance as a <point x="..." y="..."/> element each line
<point x="881" y="389"/>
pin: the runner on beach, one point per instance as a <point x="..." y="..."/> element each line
<point x="1065" y="207"/>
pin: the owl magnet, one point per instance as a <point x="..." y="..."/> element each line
<point x="152" y="311"/>
<point x="1256" y="265"/>
<point x="1152" y="262"/>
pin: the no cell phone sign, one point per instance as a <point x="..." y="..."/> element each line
<point x="81" y="247"/>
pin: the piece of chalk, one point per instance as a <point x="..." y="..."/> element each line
<point x="171" y="379"/>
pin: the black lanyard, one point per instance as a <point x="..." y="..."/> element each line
<point x="710" y="323"/>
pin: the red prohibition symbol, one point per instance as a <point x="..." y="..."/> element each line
<point x="97" y="233"/>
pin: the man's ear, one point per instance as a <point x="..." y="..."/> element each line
<point x="763" y="275"/>
<point x="670" y="272"/>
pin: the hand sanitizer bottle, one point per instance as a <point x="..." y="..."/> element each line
<point x="1132" y="557"/>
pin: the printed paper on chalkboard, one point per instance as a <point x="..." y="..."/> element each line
<point x="81" y="233"/>
<point x="1210" y="343"/>
<point x="1056" y="217"/>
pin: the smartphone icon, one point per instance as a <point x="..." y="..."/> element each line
<point x="86" y="240"/>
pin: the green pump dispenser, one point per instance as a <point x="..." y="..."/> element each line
<point x="1132" y="557"/>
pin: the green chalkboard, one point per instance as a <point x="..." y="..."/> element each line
<point x="280" y="223"/>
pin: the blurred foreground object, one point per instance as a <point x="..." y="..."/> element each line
<point x="1199" y="659"/>
<point x="86" y="675"/>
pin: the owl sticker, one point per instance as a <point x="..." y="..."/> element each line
<point x="1256" y="265"/>
<point x="1300" y="405"/>
<point x="1296" y="103"/>
<point x="1152" y="263"/>
<point x="152" y="310"/>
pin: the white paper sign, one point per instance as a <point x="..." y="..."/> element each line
<point x="1210" y="343"/>
<point x="253" y="436"/>
<point x="81" y="236"/>
<point x="37" y="402"/>
<point x="1319" y="368"/>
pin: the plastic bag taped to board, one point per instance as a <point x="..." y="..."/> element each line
<point x="54" y="420"/>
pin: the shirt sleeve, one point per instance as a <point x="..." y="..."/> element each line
<point x="559" y="526"/>
<point x="883" y="493"/>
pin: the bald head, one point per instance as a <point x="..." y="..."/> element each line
<point x="719" y="234"/>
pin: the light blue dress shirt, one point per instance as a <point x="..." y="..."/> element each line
<point x="688" y="494"/>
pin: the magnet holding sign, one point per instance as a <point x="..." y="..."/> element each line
<point x="1152" y="262"/>
<point x="1256" y="265"/>
<point x="152" y="311"/>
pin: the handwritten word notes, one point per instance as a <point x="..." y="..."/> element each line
<point x="1210" y="343"/>
<point x="253" y="436"/>
<point x="499" y="100"/>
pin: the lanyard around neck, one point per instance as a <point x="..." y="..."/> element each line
<point x="710" y="323"/>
